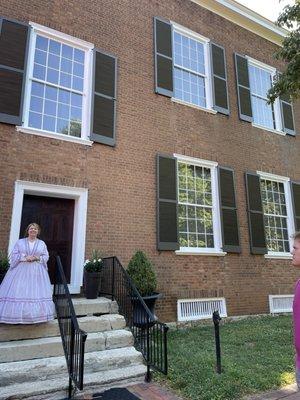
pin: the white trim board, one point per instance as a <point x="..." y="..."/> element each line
<point x="80" y="195"/>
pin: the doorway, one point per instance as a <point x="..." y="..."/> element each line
<point x="55" y="217"/>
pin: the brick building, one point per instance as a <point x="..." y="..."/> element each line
<point x="135" y="125"/>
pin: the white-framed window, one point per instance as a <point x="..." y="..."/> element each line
<point x="198" y="206"/>
<point x="278" y="213"/>
<point x="264" y="115"/>
<point x="58" y="85"/>
<point x="191" y="68"/>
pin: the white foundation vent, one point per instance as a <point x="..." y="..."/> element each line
<point x="194" y="309"/>
<point x="281" y="303"/>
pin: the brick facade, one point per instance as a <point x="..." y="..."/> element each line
<point x="121" y="181"/>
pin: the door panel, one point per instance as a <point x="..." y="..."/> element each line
<point x="55" y="216"/>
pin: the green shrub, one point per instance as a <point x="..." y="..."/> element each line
<point x="142" y="273"/>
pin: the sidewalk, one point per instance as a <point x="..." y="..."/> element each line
<point x="153" y="391"/>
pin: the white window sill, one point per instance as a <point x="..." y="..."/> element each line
<point x="269" y="129"/>
<point x="198" y="252"/>
<point x="53" y="135"/>
<point x="209" y="110"/>
<point x="279" y="256"/>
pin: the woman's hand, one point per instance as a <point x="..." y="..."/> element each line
<point x="31" y="258"/>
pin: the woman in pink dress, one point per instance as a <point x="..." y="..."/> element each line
<point x="296" y="306"/>
<point x="25" y="293"/>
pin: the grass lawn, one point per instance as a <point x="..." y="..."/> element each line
<point x="257" y="355"/>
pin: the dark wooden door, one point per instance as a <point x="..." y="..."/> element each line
<point x="55" y="216"/>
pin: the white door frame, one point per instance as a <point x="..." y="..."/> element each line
<point x="80" y="195"/>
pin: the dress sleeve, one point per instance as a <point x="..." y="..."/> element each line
<point x="16" y="256"/>
<point x="44" y="256"/>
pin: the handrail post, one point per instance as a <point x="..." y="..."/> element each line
<point x="166" y="328"/>
<point x="148" y="373"/>
<point x="216" y="320"/>
<point x="71" y="359"/>
<point x="113" y="280"/>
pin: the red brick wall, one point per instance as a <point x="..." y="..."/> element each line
<point x="122" y="180"/>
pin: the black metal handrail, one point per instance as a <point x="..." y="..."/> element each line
<point x="73" y="338"/>
<point x="150" y="335"/>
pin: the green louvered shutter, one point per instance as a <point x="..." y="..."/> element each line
<point x="163" y="57"/>
<point x="295" y="186"/>
<point x="14" y="38"/>
<point x="287" y="115"/>
<point x="255" y="214"/>
<point x="103" y="127"/>
<point x="219" y="79"/>
<point x="243" y="88"/>
<point x="167" y="227"/>
<point x="228" y="208"/>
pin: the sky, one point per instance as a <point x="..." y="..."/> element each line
<point x="268" y="8"/>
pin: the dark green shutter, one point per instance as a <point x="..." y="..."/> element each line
<point x="287" y="116"/>
<point x="163" y="57"/>
<point x="103" y="127"/>
<point x="167" y="227"/>
<point x="255" y="214"/>
<point x="14" y="37"/>
<point x="296" y="203"/>
<point x="219" y="79"/>
<point x="228" y="208"/>
<point x="243" y="88"/>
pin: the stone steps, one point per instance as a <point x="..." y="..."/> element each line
<point x="54" y="367"/>
<point x="20" y="350"/>
<point x="55" y="389"/>
<point x="33" y="365"/>
<point x="88" y="324"/>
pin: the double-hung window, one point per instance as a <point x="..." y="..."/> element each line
<point x="198" y="208"/>
<point x="190" y="69"/>
<point x="254" y="80"/>
<point x="277" y="213"/>
<point x="58" y="92"/>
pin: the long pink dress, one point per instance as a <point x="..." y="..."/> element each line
<point x="296" y="319"/>
<point x="25" y="292"/>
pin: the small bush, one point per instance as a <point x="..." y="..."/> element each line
<point x="4" y="261"/>
<point x="142" y="273"/>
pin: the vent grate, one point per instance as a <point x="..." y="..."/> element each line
<point x="281" y="303"/>
<point x="195" y="309"/>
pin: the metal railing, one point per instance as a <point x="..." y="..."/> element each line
<point x="73" y="338"/>
<point x="150" y="335"/>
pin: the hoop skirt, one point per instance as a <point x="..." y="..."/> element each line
<point x="25" y="293"/>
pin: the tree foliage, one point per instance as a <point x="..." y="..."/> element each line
<point x="142" y="273"/>
<point x="288" y="81"/>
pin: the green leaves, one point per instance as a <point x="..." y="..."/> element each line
<point x="142" y="273"/>
<point x="287" y="83"/>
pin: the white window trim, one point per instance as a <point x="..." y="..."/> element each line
<point x="80" y="195"/>
<point x="289" y="208"/>
<point x="208" y="78"/>
<point x="217" y="250"/>
<point x="87" y="89"/>
<point x="276" y="104"/>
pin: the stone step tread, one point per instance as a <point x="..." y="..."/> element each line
<point x="100" y="305"/>
<point x="48" y="368"/>
<point x="28" y="349"/>
<point x="51" y="328"/>
<point x="29" y="389"/>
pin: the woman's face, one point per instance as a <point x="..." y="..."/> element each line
<point x="296" y="253"/>
<point x="33" y="232"/>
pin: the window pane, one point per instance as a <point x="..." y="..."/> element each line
<point x="54" y="105"/>
<point x="275" y="215"/>
<point x="195" y="192"/>
<point x="35" y="120"/>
